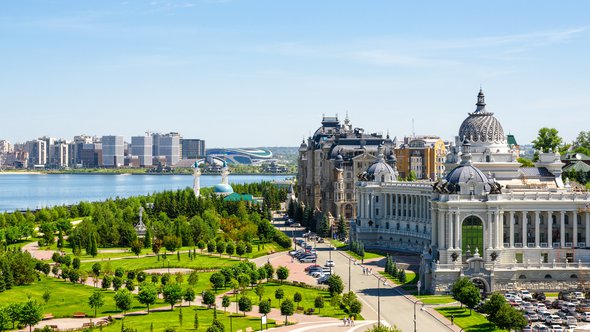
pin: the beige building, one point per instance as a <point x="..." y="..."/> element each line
<point x="425" y="155"/>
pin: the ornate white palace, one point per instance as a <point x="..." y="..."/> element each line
<point x="503" y="225"/>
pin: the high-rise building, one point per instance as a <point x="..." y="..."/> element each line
<point x="58" y="155"/>
<point x="5" y="147"/>
<point x="168" y="146"/>
<point x="91" y="155"/>
<point x="112" y="151"/>
<point x="193" y="148"/>
<point x="141" y="146"/>
<point x="37" y="153"/>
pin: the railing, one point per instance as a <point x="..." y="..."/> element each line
<point x="518" y="245"/>
<point x="530" y="245"/>
<point x="543" y="245"/>
<point x="393" y="231"/>
<point x="556" y="196"/>
<point x="568" y="245"/>
<point x="516" y="266"/>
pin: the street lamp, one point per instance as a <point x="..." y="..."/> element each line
<point x="379" y="299"/>
<point x="422" y="309"/>
<point x="168" y="265"/>
<point x="349" y="259"/>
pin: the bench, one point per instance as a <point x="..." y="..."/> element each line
<point x="48" y="316"/>
<point x="87" y="325"/>
<point x="79" y="315"/>
<point x="249" y="329"/>
<point x="53" y="327"/>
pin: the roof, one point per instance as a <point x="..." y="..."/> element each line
<point x="577" y="166"/>
<point x="574" y="156"/>
<point x="235" y="197"/>
<point x="535" y="172"/>
<point x="511" y="139"/>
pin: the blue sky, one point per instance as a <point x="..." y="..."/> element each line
<point x="262" y="73"/>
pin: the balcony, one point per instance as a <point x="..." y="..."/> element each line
<point x="420" y="235"/>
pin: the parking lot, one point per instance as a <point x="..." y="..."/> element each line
<point x="569" y="312"/>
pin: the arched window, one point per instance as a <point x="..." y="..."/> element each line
<point x="522" y="276"/>
<point x="548" y="276"/>
<point x="573" y="276"/>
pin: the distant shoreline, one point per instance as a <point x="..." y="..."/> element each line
<point x="131" y="173"/>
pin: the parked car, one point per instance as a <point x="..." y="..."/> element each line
<point x="320" y="240"/>
<point x="541" y="328"/>
<point x="565" y="296"/>
<point x="307" y="268"/>
<point x="295" y="224"/>
<point x="579" y="295"/>
<point x="539" y="296"/>
<point x="330" y="263"/>
<point x="308" y="259"/>
<point x="571" y="321"/>
<point x="586" y="316"/>
<point x="531" y="315"/>
<point x="541" y="307"/>
<point x="323" y="280"/>
<point x="525" y="295"/>
<point x="556" y="328"/>
<point x="554" y="320"/>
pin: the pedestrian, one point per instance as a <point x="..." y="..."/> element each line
<point x="452" y="319"/>
<point x="344" y="320"/>
<point x="352" y="321"/>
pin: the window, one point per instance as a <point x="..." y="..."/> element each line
<point x="376" y="199"/>
<point x="408" y="227"/>
<point x="387" y="225"/>
<point x="545" y="257"/>
<point x="376" y="212"/>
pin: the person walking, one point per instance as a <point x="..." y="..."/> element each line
<point x="452" y="319"/>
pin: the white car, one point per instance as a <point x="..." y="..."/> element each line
<point x="586" y="316"/>
<point x="525" y="295"/>
<point x="330" y="263"/>
<point x="541" y="307"/>
<point x="556" y="328"/>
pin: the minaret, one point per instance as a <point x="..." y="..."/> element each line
<point x="197" y="180"/>
<point x="224" y="174"/>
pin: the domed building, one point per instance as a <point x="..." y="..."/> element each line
<point x="501" y="225"/>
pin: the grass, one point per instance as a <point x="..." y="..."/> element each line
<point x="368" y="255"/>
<point x="308" y="295"/>
<point x="409" y="285"/>
<point x="66" y="298"/>
<point x="163" y="319"/>
<point x="436" y="299"/>
<point x="551" y="294"/>
<point x="471" y="323"/>
<point x="338" y="244"/>
<point x="201" y="262"/>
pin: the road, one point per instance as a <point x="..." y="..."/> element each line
<point x="396" y="309"/>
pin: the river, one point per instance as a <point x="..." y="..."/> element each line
<point x="31" y="191"/>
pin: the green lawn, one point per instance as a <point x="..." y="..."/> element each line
<point x="409" y="285"/>
<point x="66" y="298"/>
<point x="201" y="262"/>
<point x="471" y="323"/>
<point x="368" y="255"/>
<point x="338" y="244"/>
<point x="163" y="319"/>
<point x="436" y="299"/>
<point x="307" y="294"/>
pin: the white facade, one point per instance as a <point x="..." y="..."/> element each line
<point x="502" y="225"/>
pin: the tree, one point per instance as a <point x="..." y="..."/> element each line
<point x="240" y="248"/>
<point x="189" y="295"/>
<point x="270" y="271"/>
<point x="583" y="140"/>
<point x="172" y="293"/>
<point x="245" y="304"/>
<point x="4" y="317"/>
<point x="93" y="247"/>
<point x="217" y="280"/>
<point x="259" y="290"/>
<point x="147" y="239"/>
<point x="171" y="243"/>
<point x="525" y="162"/>
<point x="282" y="273"/>
<point x="46" y="295"/>
<point x="196" y="321"/>
<point x="230" y="248"/>
<point x="148" y="294"/>
<point x="508" y="318"/>
<point x="335" y="284"/>
<point x="30" y="314"/>
<point x="193" y="278"/>
<point x="457" y="289"/>
<point x="279" y="294"/>
<point x="107" y="280"/>
<point x="324" y="230"/>
<point x="220" y="247"/>
<point x="117" y="283"/>
<point x="341" y="229"/>
<point x="76" y="263"/>
<point x="287" y="309"/>
<point x="297" y="298"/>
<point x="95" y="301"/>
<point x="493" y="304"/>
<point x="96" y="268"/>
<point x="14" y="310"/>
<point x="412" y="176"/>
<point x="136" y="247"/>
<point x="209" y="298"/>
<point x="547" y="140"/>
<point x="225" y="302"/>
<point x="123" y="299"/>
<point x="264" y="308"/>
<point x="471" y="296"/>
<point x="318" y="302"/>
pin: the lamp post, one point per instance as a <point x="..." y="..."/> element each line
<point x="422" y="308"/>
<point x="168" y="265"/>
<point x="349" y="259"/>
<point x="379" y="299"/>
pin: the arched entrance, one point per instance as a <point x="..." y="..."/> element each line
<point x="482" y="284"/>
<point x="471" y="236"/>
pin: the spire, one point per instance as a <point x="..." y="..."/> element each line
<point x="466" y="155"/>
<point x="481" y="102"/>
<point x="380" y="155"/>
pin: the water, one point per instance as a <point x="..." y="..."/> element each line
<point x="32" y="191"/>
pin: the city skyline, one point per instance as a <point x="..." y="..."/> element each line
<point x="212" y="69"/>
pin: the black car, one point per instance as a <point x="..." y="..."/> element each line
<point x="539" y="296"/>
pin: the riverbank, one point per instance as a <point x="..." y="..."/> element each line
<point x="98" y="171"/>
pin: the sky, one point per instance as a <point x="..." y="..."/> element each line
<point x="262" y="73"/>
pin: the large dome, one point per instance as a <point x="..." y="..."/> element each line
<point x="381" y="171"/>
<point x="481" y="125"/>
<point x="222" y="188"/>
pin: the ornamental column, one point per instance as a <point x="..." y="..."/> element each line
<point x="433" y="232"/>
<point x="562" y="228"/>
<point x="511" y="228"/>
<point x="441" y="231"/>
<point x="524" y="229"/>
<point x="490" y="232"/>
<point x="500" y="229"/>
<point x="449" y="227"/>
<point x="537" y="231"/>
<point x="457" y="227"/>
<point x="575" y="235"/>
<point x="550" y="229"/>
